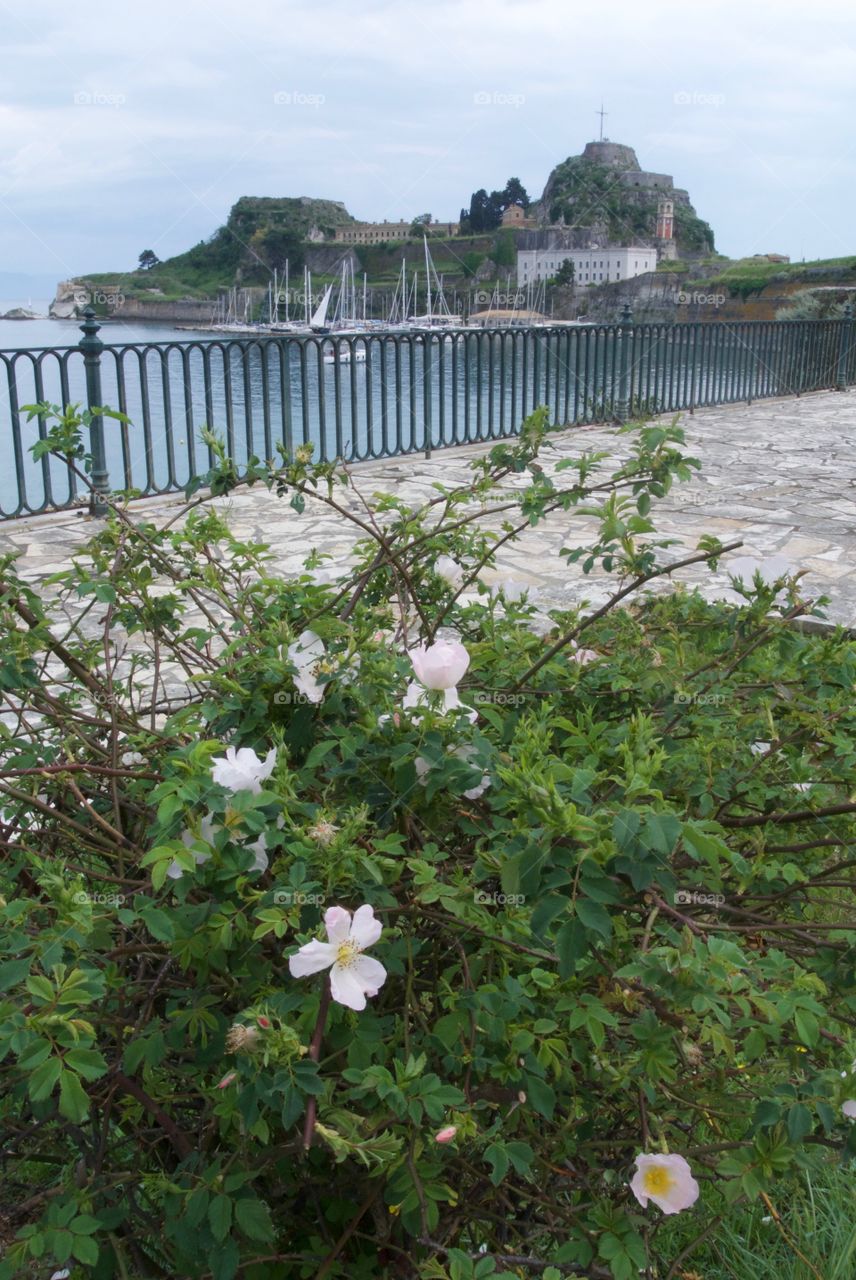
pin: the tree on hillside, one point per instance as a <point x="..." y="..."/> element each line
<point x="478" y="218"/>
<point x="565" y="273"/>
<point x="148" y="259"/>
<point x="485" y="211"/>
<point x="272" y="246"/>
<point x="515" y="193"/>
<point x="420" y="224"/>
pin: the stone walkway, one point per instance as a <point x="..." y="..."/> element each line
<point x="779" y="474"/>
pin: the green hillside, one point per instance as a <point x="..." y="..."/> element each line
<point x="260" y="233"/>
<point x="585" y="192"/>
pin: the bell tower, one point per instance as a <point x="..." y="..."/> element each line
<point x="666" y="244"/>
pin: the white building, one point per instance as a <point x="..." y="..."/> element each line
<point x="591" y="266"/>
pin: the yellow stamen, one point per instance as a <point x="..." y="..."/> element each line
<point x="658" y="1181"/>
<point x="347" y="953"/>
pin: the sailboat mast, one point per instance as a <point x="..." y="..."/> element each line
<point x="427" y="279"/>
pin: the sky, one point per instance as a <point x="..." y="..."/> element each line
<point x="132" y="126"/>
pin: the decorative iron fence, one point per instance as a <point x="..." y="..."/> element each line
<point x="377" y="395"/>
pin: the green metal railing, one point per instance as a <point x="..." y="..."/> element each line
<point x="376" y="395"/>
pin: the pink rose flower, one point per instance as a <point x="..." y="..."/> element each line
<point x="441" y="665"/>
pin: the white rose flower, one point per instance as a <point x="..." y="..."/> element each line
<point x="242" y="770"/>
<point x="353" y="976"/>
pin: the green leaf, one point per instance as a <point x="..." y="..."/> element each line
<point x="158" y="923"/>
<point x="572" y="943"/>
<point x="767" y="1113"/>
<point x="594" y="917"/>
<point x="86" y="1062"/>
<point x="319" y="751"/>
<point x="799" y="1122"/>
<point x="85" y="1250"/>
<point x="521" y="1156"/>
<point x="660" y="832"/>
<point x="14" y="971"/>
<point x="498" y="1161"/>
<point x="625" y="828"/>
<point x="220" y="1216"/>
<point x="39" y="987"/>
<point x="224" y="1261"/>
<point x="254" y="1219"/>
<point x="34" y="1055"/>
<point x="807" y="1027"/>
<point x="73" y="1102"/>
<point x="542" y="1097"/>
<point x="42" y="1082"/>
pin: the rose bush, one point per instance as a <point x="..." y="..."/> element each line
<point x="610" y="997"/>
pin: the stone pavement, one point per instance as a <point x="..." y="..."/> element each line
<point x="778" y="474"/>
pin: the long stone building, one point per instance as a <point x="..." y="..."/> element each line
<point x="591" y="266"/>
<point x="380" y="232"/>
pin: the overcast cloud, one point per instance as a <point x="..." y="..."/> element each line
<point x="132" y="126"/>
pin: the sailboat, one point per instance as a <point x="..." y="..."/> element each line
<point x="340" y="352"/>
<point x="345" y="321"/>
<point x="437" y="314"/>
<point x="318" y="320"/>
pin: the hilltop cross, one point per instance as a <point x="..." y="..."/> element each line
<point x="601" y="113"/>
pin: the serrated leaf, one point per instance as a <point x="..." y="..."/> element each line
<point x="220" y="1217"/>
<point x="799" y="1122"/>
<point x="254" y="1219"/>
<point x="594" y="917"/>
<point x="73" y="1102"/>
<point x="86" y="1062"/>
<point x="42" y="1081"/>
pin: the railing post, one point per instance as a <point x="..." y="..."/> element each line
<point x="427" y="407"/>
<point x="624" y="338"/>
<point x="844" y="346"/>
<point x="92" y="346"/>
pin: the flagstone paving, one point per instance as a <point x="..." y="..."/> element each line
<point x="779" y="474"/>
